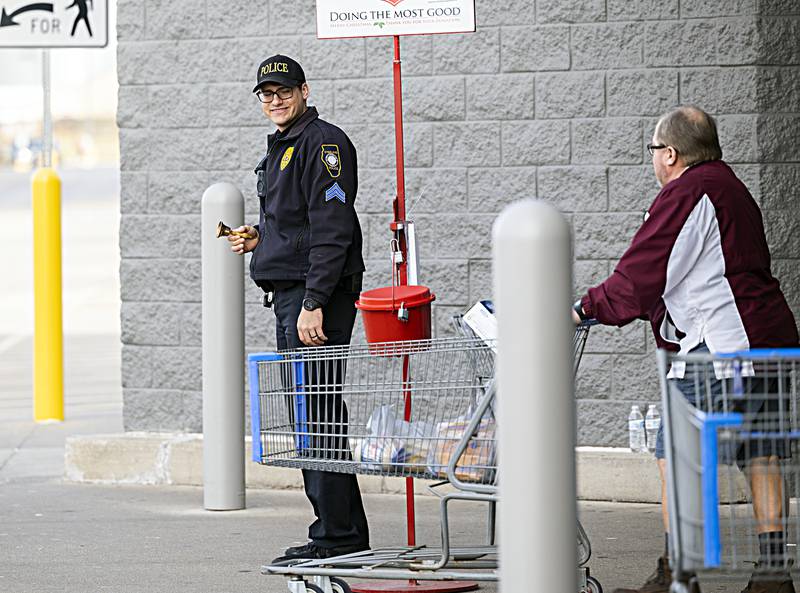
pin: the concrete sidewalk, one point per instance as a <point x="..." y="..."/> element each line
<point x="85" y="538"/>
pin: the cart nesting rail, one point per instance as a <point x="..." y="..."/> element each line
<point x="341" y="409"/>
<point x="740" y="409"/>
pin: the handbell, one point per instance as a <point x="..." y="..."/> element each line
<point x="223" y="230"/>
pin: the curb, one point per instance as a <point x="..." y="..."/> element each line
<point x="606" y="474"/>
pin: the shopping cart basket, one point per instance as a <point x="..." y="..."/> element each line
<point x="341" y="408"/>
<point x="730" y="411"/>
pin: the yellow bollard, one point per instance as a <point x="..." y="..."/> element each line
<point x="48" y="336"/>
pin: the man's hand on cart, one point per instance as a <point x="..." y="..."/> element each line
<point x="309" y="328"/>
<point x="578" y="315"/>
<point x="240" y="244"/>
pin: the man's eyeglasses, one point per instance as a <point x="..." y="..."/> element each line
<point x="268" y="96"/>
<point x="652" y="148"/>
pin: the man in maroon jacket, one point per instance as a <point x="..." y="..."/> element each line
<point x="699" y="270"/>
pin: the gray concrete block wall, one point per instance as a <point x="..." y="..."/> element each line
<point x="550" y="99"/>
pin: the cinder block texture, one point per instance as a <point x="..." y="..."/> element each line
<point x="549" y="99"/>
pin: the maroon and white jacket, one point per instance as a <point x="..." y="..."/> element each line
<point x="699" y="265"/>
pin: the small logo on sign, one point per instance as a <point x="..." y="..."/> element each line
<point x="393" y="2"/>
<point x="287" y="157"/>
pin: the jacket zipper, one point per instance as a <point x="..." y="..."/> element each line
<point x="300" y="237"/>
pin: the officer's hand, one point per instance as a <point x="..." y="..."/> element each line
<point x="309" y="328"/>
<point x="241" y="245"/>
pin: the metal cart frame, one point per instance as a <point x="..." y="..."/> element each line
<point x="712" y="524"/>
<point x="420" y="562"/>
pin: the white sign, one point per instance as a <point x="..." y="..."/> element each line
<point x="58" y="23"/>
<point x="380" y="18"/>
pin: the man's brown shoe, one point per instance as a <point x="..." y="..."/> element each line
<point x="660" y="581"/>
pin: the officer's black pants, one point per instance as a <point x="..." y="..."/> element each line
<point x="335" y="497"/>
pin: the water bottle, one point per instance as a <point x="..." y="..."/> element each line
<point x="651" y="423"/>
<point x="636" y="436"/>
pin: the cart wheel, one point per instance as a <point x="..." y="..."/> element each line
<point x="340" y="586"/>
<point x="593" y="585"/>
<point x="310" y="588"/>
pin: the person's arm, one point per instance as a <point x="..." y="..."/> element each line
<point x="330" y="187"/>
<point x="329" y="183"/>
<point x="662" y="252"/>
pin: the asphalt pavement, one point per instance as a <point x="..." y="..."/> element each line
<point x="57" y="536"/>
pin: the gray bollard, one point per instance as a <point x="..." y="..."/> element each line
<point x="223" y="353"/>
<point x="536" y="407"/>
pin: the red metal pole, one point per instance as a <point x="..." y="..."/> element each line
<point x="399" y="217"/>
<point x="410" y="511"/>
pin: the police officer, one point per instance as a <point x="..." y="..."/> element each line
<point x="307" y="258"/>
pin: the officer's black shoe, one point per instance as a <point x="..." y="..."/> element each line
<point x="311" y="551"/>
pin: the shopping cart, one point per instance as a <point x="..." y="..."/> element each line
<point x="342" y="409"/>
<point x="741" y="409"/>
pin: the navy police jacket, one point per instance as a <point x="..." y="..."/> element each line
<point x="307" y="184"/>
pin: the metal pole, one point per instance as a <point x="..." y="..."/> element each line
<point x="399" y="217"/>
<point x="47" y="120"/>
<point x="48" y="334"/>
<point x="400" y="201"/>
<point x="223" y="353"/>
<point x="536" y="415"/>
<point x="398" y="133"/>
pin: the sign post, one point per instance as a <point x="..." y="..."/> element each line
<point x="337" y="19"/>
<point x="46" y="25"/>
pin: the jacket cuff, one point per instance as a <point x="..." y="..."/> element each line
<point x="318" y="296"/>
<point x="586" y="305"/>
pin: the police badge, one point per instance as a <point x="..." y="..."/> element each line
<point x="287" y="157"/>
<point x="330" y="158"/>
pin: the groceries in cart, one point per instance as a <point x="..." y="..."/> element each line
<point x="481" y="321"/>
<point x="393" y="441"/>
<point x="420" y="447"/>
<point x="478" y="462"/>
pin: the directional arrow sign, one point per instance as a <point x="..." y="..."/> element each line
<point x="7" y="20"/>
<point x="61" y="23"/>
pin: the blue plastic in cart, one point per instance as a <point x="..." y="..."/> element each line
<point x="299" y="403"/>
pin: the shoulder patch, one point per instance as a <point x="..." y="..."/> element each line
<point x="287" y="157"/>
<point x="335" y="192"/>
<point x="330" y="158"/>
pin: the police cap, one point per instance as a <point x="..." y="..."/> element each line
<point x="280" y="69"/>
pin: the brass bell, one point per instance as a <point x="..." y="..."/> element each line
<point x="224" y="230"/>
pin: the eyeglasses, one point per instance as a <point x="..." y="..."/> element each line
<point x="268" y="96"/>
<point x="652" y="148"/>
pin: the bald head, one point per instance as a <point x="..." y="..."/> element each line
<point x="691" y="132"/>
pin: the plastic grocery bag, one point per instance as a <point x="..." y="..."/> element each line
<point x="394" y="443"/>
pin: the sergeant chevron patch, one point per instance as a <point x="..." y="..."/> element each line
<point x="335" y="192"/>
